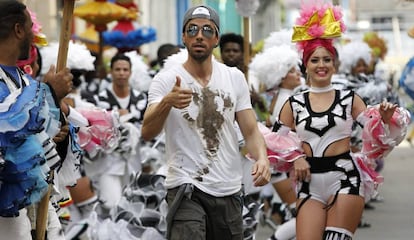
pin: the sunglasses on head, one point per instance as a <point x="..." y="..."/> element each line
<point x="206" y="30"/>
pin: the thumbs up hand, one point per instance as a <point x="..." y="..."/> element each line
<point x="177" y="81"/>
<point x="180" y="97"/>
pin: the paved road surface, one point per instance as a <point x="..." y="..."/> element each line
<point x="392" y="219"/>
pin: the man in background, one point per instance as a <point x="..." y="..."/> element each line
<point x="231" y="50"/>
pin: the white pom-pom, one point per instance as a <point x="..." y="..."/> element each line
<point x="79" y="57"/>
<point x="174" y="59"/>
<point x="247" y="8"/>
<point x="351" y="53"/>
<point x="178" y="58"/>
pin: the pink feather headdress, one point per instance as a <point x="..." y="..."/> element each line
<point x="320" y="22"/>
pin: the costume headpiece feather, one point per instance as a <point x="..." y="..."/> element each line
<point x="318" y="24"/>
<point x="273" y="64"/>
<point x="177" y="59"/>
<point x="79" y="57"/>
<point x="351" y="53"/>
<point x="318" y="21"/>
<point x="140" y="78"/>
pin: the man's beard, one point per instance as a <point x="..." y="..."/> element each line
<point x="25" y="49"/>
<point x="199" y="57"/>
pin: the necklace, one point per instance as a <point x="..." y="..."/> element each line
<point x="321" y="89"/>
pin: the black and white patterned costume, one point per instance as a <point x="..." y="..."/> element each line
<point x="137" y="103"/>
<point x="334" y="174"/>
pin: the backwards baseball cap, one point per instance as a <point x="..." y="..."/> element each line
<point x="202" y="12"/>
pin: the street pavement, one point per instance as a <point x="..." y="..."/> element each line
<point x="392" y="219"/>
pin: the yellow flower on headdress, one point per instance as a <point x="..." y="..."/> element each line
<point x="318" y="27"/>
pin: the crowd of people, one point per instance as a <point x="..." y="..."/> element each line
<point x="199" y="146"/>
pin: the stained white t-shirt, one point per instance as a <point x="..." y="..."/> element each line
<point x="201" y="142"/>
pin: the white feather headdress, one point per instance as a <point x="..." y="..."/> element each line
<point x="175" y="59"/>
<point x="140" y="78"/>
<point x="350" y="53"/>
<point x="178" y="58"/>
<point x="79" y="57"/>
<point x="273" y="64"/>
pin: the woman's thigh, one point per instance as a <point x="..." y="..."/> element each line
<point x="311" y="220"/>
<point x="346" y="212"/>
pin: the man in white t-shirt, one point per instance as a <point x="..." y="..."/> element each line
<point x="196" y="103"/>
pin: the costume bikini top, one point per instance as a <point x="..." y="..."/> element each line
<point x="320" y="129"/>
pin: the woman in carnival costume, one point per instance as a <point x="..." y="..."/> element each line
<point x="329" y="181"/>
<point x="277" y="68"/>
<point x="268" y="75"/>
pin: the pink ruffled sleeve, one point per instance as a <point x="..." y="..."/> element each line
<point x="380" y="138"/>
<point x="283" y="147"/>
<point x="102" y="132"/>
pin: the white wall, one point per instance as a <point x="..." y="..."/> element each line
<point x="46" y="14"/>
<point x="161" y="15"/>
